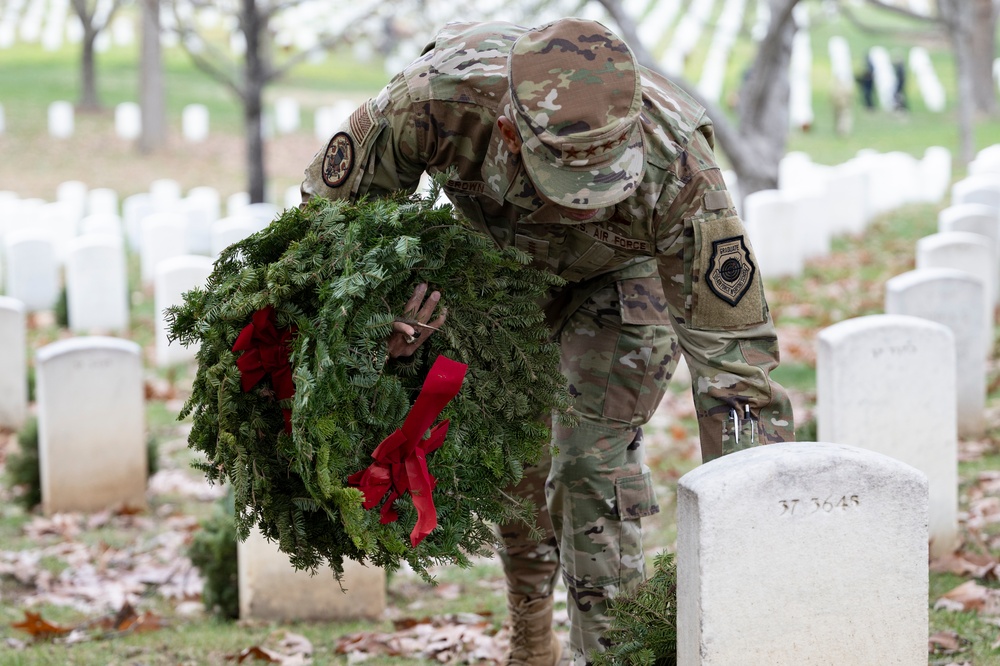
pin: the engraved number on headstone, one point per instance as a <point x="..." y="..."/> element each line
<point x="816" y="504"/>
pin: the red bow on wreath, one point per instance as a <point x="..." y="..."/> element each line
<point x="266" y="353"/>
<point x="401" y="459"/>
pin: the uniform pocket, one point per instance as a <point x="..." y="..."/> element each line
<point x="635" y="497"/>
<point x="645" y="354"/>
<point x="585" y="257"/>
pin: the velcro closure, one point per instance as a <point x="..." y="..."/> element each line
<point x="717" y="200"/>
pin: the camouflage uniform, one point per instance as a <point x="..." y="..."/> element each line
<point x="664" y="268"/>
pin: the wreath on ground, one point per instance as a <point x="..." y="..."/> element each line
<point x="294" y="391"/>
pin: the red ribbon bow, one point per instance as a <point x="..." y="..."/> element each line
<point x="401" y="459"/>
<point x="266" y="353"/>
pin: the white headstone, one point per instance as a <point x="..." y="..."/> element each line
<point x="982" y="189"/>
<point x="163" y="235"/>
<point x="236" y="202"/>
<point x="286" y="115"/>
<point x="32" y="274"/>
<point x="785" y="552"/>
<point x="261" y="213"/>
<point x="102" y="224"/>
<point x="331" y="118"/>
<point x="102" y="200"/>
<point x="955" y="299"/>
<point x="774" y="228"/>
<point x="271" y="589"/>
<point x="887" y="383"/>
<point x="987" y="161"/>
<point x="199" y="214"/>
<point x="73" y="192"/>
<point x="97" y="295"/>
<point x="128" y="121"/>
<point x="928" y="82"/>
<point x="194" y="123"/>
<point x="165" y="192"/>
<point x="840" y="60"/>
<point x="885" y="76"/>
<point x="13" y="363"/>
<point x="61" y="221"/>
<point x="293" y="196"/>
<point x="229" y="230"/>
<point x="973" y="253"/>
<point x="91" y="424"/>
<point x="61" y="120"/>
<point x="174" y="277"/>
<point x="847" y="196"/>
<point x="134" y="209"/>
<point x="935" y="174"/>
<point x="976" y="219"/>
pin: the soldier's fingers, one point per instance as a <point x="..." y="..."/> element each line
<point x="427" y="309"/>
<point x="413" y="305"/>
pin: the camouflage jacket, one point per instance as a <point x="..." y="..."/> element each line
<point x="677" y="239"/>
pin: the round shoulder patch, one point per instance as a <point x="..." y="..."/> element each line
<point x="338" y="160"/>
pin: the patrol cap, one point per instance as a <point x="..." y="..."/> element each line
<point x="576" y="95"/>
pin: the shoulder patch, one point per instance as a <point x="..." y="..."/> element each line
<point x="730" y="269"/>
<point x="338" y="160"/>
<point x="362" y="121"/>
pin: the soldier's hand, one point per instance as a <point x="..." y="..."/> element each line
<point x="415" y="326"/>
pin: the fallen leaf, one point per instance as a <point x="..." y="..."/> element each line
<point x="944" y="642"/>
<point x="39" y="628"/>
<point x="256" y="652"/>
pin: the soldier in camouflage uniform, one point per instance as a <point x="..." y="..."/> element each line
<point x="557" y="142"/>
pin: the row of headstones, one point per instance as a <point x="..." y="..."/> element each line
<point x="52" y="23"/>
<point x="92" y="455"/>
<point x="815" y="203"/>
<point x="285" y="118"/>
<point x="770" y="540"/>
<point x="48" y="248"/>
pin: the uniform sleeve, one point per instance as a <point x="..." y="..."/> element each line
<point x="376" y="151"/>
<point x="716" y="300"/>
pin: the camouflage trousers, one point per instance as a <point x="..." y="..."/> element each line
<point x="594" y="487"/>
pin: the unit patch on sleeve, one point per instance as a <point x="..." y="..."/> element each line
<point x="730" y="269"/>
<point x="338" y="160"/>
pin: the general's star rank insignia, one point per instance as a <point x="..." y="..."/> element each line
<point x="338" y="160"/>
<point x="730" y="269"/>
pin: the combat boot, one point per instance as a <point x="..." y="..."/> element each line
<point x="532" y="641"/>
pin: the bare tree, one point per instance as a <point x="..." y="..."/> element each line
<point x="248" y="76"/>
<point x="756" y="143"/>
<point x="151" y="88"/>
<point x="95" y="17"/>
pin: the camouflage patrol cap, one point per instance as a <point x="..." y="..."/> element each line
<point x="576" y="95"/>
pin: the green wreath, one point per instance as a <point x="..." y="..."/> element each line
<point x="324" y="284"/>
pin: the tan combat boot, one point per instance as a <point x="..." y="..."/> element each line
<point x="532" y="641"/>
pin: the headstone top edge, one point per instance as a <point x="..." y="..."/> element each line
<point x="920" y="275"/>
<point x="12" y="304"/>
<point x="759" y="460"/>
<point x="86" y="343"/>
<point x="856" y="325"/>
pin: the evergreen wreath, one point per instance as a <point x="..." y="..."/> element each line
<point x="332" y="277"/>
